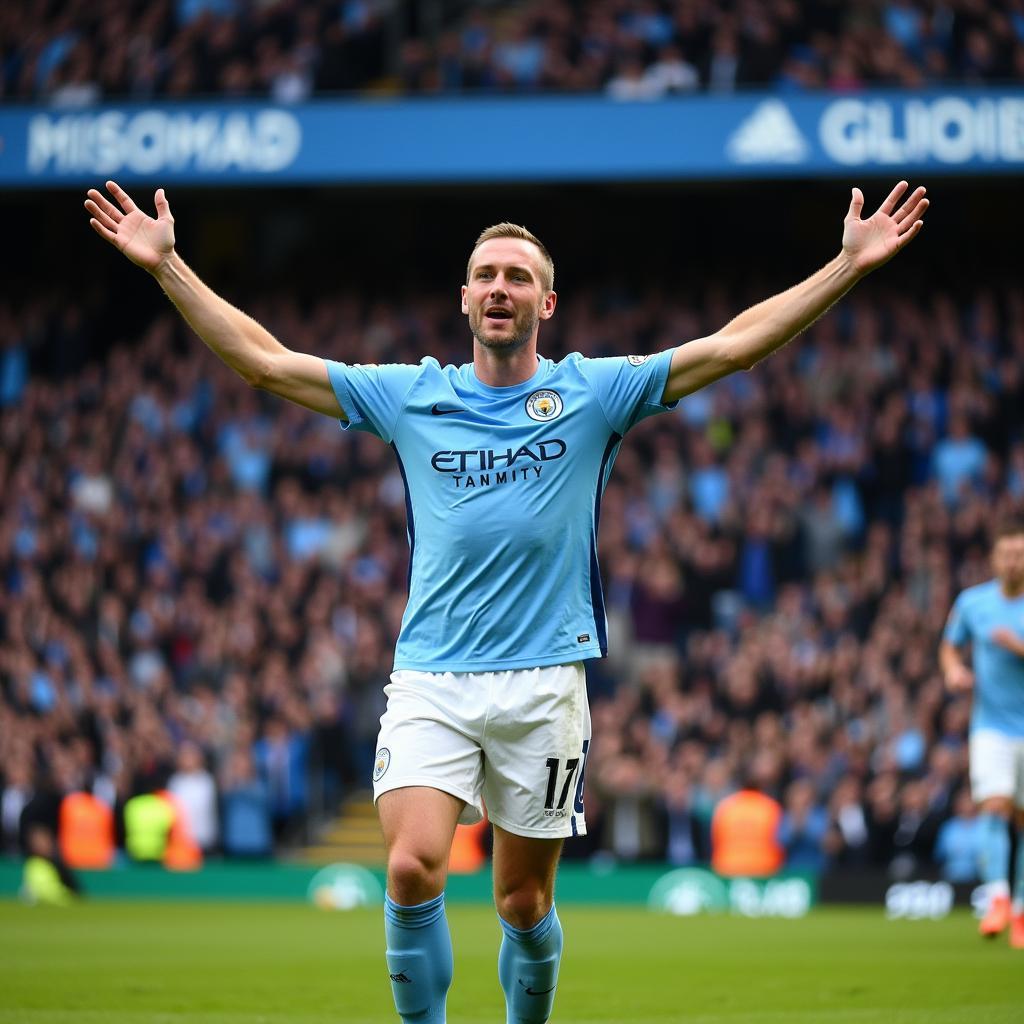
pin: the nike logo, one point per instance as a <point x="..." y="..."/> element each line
<point x="436" y="410"/>
<point x="532" y="992"/>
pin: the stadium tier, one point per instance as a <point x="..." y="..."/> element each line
<point x="76" y="54"/>
<point x="202" y="584"/>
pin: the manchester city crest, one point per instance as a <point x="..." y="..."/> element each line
<point x="637" y="360"/>
<point x="544" y="405"/>
<point x="381" y="763"/>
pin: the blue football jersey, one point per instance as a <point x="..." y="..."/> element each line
<point x="503" y="495"/>
<point x="998" y="673"/>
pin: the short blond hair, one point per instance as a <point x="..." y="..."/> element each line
<point x="507" y="230"/>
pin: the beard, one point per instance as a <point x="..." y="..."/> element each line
<point x="525" y="323"/>
<point x="1012" y="580"/>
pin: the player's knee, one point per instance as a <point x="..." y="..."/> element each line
<point x="414" y="877"/>
<point x="523" y="906"/>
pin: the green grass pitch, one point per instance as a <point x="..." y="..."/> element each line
<point x="115" y="963"/>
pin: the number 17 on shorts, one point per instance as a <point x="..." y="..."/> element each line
<point x="558" y="770"/>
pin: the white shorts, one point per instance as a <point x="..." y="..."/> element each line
<point x="510" y="744"/>
<point x="997" y="766"/>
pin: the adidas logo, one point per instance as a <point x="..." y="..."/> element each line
<point x="401" y="977"/>
<point x="768" y="135"/>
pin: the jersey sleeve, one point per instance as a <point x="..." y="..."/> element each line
<point x="957" y="631"/>
<point x="629" y="388"/>
<point x="371" y="396"/>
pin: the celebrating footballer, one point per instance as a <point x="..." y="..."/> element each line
<point x="504" y="460"/>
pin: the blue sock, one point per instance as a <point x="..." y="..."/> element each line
<point x="995" y="849"/>
<point x="419" y="958"/>
<point x="1018" y="883"/>
<point x="528" y="968"/>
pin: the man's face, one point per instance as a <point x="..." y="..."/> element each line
<point x="505" y="298"/>
<point x="1008" y="561"/>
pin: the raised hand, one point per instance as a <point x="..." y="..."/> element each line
<point x="143" y="239"/>
<point x="1008" y="640"/>
<point x="867" y="244"/>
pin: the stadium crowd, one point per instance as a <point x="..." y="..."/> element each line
<point x="201" y="584"/>
<point x="72" y="53"/>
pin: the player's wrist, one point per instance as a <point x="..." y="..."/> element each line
<point x="958" y="678"/>
<point x="167" y="267"/>
<point x="849" y="269"/>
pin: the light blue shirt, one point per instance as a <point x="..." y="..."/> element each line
<point x="956" y="461"/>
<point x="503" y="496"/>
<point x="998" y="673"/>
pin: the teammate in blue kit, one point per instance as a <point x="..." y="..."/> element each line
<point x="504" y="461"/>
<point x="990" y="617"/>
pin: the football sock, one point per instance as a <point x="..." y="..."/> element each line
<point x="528" y="968"/>
<point x="419" y="955"/>
<point x="1018" y="884"/>
<point x="995" y="853"/>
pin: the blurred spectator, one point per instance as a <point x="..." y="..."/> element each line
<point x="630" y="810"/>
<point x="958" y="460"/>
<point x="916" y="827"/>
<point x="883" y="819"/>
<point x="16" y="793"/>
<point x="847" y="841"/>
<point x="682" y="835"/>
<point x="86" y="838"/>
<point x="13" y="367"/>
<point x="670" y="73"/>
<point x="46" y="879"/>
<point x="331" y="754"/>
<point x="631" y="83"/>
<point x="245" y="809"/>
<point x="148" y="820"/>
<point x="723" y="60"/>
<point x="281" y="757"/>
<point x="714" y="785"/>
<point x="157" y="830"/>
<point x="958" y="844"/>
<point x="803" y="828"/>
<point x="746" y="834"/>
<point x="657" y="605"/>
<point x="193" y="788"/>
<point x="824" y="537"/>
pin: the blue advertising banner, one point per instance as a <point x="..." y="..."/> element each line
<point x="512" y="139"/>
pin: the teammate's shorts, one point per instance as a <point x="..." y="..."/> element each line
<point x="997" y="766"/>
<point x="514" y="743"/>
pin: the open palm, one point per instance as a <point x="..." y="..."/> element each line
<point x="145" y="240"/>
<point x="870" y="243"/>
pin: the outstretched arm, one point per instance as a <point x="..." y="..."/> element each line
<point x="760" y="330"/>
<point x="249" y="349"/>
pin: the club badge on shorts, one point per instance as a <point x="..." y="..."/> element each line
<point x="381" y="764"/>
<point x="544" y="405"/>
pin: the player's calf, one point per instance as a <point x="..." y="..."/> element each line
<point x="1017" y="906"/>
<point x="528" y="968"/>
<point x="419" y="957"/>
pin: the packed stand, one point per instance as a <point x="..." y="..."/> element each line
<point x="202" y="584"/>
<point x="75" y="53"/>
